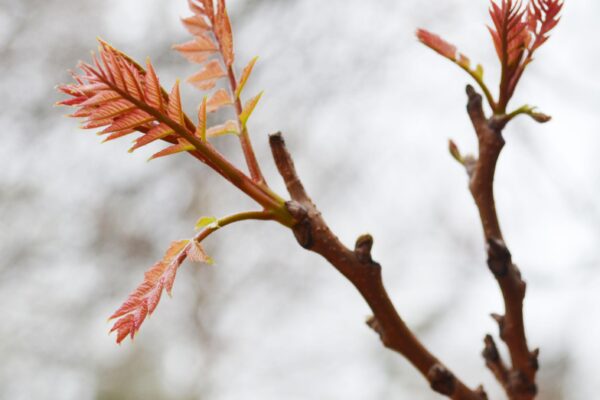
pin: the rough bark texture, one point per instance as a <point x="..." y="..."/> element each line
<point x="358" y="267"/>
<point x="519" y="379"/>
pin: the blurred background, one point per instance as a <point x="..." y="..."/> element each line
<point x="367" y="112"/>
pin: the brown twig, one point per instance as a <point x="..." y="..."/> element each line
<point x="519" y="380"/>
<point x="493" y="360"/>
<point x="358" y="267"/>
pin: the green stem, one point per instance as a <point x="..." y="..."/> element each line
<point x="483" y="86"/>
<point x="521" y="110"/>
<point x="243" y="216"/>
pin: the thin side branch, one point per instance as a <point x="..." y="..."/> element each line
<point x="494" y="362"/>
<point x="359" y="268"/>
<point x="248" y="150"/>
<point x="520" y="383"/>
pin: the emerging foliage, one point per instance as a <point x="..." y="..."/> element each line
<point x="117" y="94"/>
<point x="519" y="29"/>
<point x="143" y="301"/>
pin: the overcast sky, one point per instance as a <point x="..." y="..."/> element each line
<point x="367" y="112"/>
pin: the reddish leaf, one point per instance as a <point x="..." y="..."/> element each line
<point x="131" y="120"/>
<point x="229" y="127"/>
<point x="437" y="44"/>
<point x="244" y="78"/>
<point x="154" y="95"/>
<point x="196" y="25"/>
<point x="112" y="109"/>
<point x="133" y="82"/>
<point x="201" y="130"/>
<point x="208" y="76"/>
<point x="249" y="108"/>
<point x="220" y="99"/>
<point x="158" y="132"/>
<point x="175" y="110"/>
<point x="196" y="253"/>
<point x="181" y="146"/>
<point x="145" y="298"/>
<point x="101" y="98"/>
<point x="197" y="50"/>
<point x="223" y="33"/>
<point x="208" y="7"/>
<point x="117" y="93"/>
<point x="118" y="135"/>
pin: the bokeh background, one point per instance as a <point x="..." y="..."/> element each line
<point x="367" y="112"/>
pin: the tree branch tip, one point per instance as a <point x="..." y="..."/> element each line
<point x="277" y="136"/>
<point x="497" y="317"/>
<point x="441" y="380"/>
<point x="480" y="391"/>
<point x="365" y="240"/>
<point x="534" y="359"/>
<point x="470" y="90"/>
<point x="363" y="247"/>
<point x="490" y="351"/>
<point x="371" y="321"/>
<point x="500" y="320"/>
<point x="455" y="152"/>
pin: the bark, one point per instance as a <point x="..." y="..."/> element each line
<point x="358" y="266"/>
<point x="519" y="379"/>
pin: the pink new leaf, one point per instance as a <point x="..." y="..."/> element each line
<point x="145" y="298"/>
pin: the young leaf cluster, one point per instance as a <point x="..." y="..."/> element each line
<point x="518" y="29"/>
<point x="115" y="93"/>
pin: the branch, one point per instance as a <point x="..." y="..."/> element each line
<point x="494" y="362"/>
<point x="519" y="382"/>
<point x="247" y="148"/>
<point x="358" y="267"/>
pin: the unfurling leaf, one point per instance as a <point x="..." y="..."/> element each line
<point x="181" y="146"/>
<point x="479" y="71"/>
<point x="118" y="135"/>
<point x="448" y="50"/>
<point x="145" y="298"/>
<point x="197" y="50"/>
<point x="154" y="94"/>
<point x="116" y="93"/>
<point x="228" y="128"/>
<point x="158" y="132"/>
<point x="249" y="108"/>
<point x="454" y="151"/>
<point x="196" y="25"/>
<point x="204" y="222"/>
<point x="244" y="78"/>
<point x="208" y="76"/>
<point x="223" y="33"/>
<point x="220" y="99"/>
<point x="436" y="43"/>
<point x="174" y="109"/>
<point x="129" y="121"/>
<point x="196" y="253"/>
<point x="518" y="31"/>
<point x="201" y="130"/>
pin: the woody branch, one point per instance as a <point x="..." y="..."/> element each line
<point x="519" y="379"/>
<point x="358" y="266"/>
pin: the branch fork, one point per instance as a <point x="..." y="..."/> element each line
<point x="358" y="266"/>
<point x="518" y="379"/>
